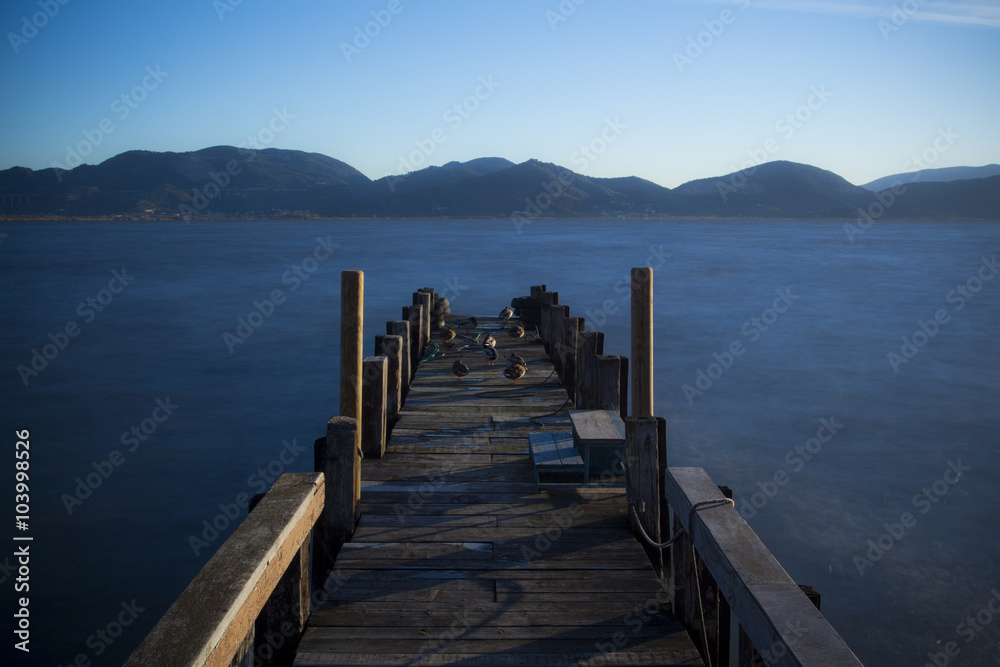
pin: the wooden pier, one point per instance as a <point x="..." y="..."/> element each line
<point x="445" y="545"/>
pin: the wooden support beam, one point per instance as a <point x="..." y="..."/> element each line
<point x="414" y="316"/>
<point x="373" y="406"/>
<point x="352" y="291"/>
<point x="212" y="621"/>
<point x="339" y="459"/>
<point x="401" y="328"/>
<point x="645" y="465"/>
<point x="642" y="342"/>
<point x="556" y="315"/>
<point x="389" y="347"/>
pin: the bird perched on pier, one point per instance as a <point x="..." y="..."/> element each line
<point x="459" y="369"/>
<point x="467" y="323"/>
<point x="490" y="349"/>
<point x="516" y="332"/>
<point x="447" y="335"/>
<point x="514" y="358"/>
<point x="491" y="355"/>
<point x="506" y="314"/>
<point x="514" y="372"/>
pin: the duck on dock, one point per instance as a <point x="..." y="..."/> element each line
<point x="467" y="323"/>
<point x="459" y="369"/>
<point x="447" y="335"/>
<point x="506" y="314"/>
<point x="516" y="332"/>
<point x="490" y="354"/>
<point x="514" y="372"/>
<point x="514" y="358"/>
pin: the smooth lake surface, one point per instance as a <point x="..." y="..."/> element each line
<point x="825" y="441"/>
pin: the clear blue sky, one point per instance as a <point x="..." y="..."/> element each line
<point x="888" y="89"/>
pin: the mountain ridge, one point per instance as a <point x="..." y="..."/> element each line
<point x="225" y="181"/>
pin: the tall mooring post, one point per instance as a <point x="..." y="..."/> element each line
<point x="352" y="308"/>
<point x="642" y="342"/>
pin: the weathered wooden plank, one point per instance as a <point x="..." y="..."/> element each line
<point x="635" y="658"/>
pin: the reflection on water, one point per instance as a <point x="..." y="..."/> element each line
<point x="122" y="492"/>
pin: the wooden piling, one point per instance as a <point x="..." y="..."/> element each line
<point x="401" y="328"/>
<point x="645" y="465"/>
<point x="609" y="386"/>
<point x="572" y="326"/>
<point x="590" y="344"/>
<point x="338" y="457"/>
<point x="352" y="290"/>
<point x="642" y="342"/>
<point x="554" y="326"/>
<point x="414" y="316"/>
<point x="373" y="406"/>
<point x="424" y="299"/>
<point x="389" y="347"/>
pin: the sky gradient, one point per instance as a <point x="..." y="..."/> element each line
<point x="666" y="90"/>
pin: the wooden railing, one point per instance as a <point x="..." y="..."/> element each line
<point x="259" y="573"/>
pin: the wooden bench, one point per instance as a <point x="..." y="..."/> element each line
<point x="600" y="430"/>
<point x="555" y="459"/>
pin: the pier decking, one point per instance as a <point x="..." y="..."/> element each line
<point x="459" y="558"/>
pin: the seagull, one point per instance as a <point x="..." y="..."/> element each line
<point x="514" y="372"/>
<point x="516" y="332"/>
<point x="459" y="369"/>
<point x="506" y="314"/>
<point x="514" y="358"/>
<point x="490" y="354"/>
<point x="467" y="323"/>
<point x="447" y="334"/>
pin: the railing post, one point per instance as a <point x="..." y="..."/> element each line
<point x="424" y="299"/>
<point x="338" y="457"/>
<point x="352" y="290"/>
<point x="609" y="385"/>
<point x="414" y="316"/>
<point x="389" y="347"/>
<point x="569" y="348"/>
<point x="642" y="342"/>
<point x="373" y="394"/>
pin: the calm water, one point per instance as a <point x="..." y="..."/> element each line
<point x="121" y="552"/>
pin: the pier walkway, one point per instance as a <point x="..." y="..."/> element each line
<point x="461" y="559"/>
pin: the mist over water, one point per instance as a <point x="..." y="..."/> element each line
<point x="870" y="477"/>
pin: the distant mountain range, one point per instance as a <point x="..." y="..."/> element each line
<point x="943" y="175"/>
<point x="233" y="182"/>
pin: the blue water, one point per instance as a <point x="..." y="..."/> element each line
<point x="124" y="553"/>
